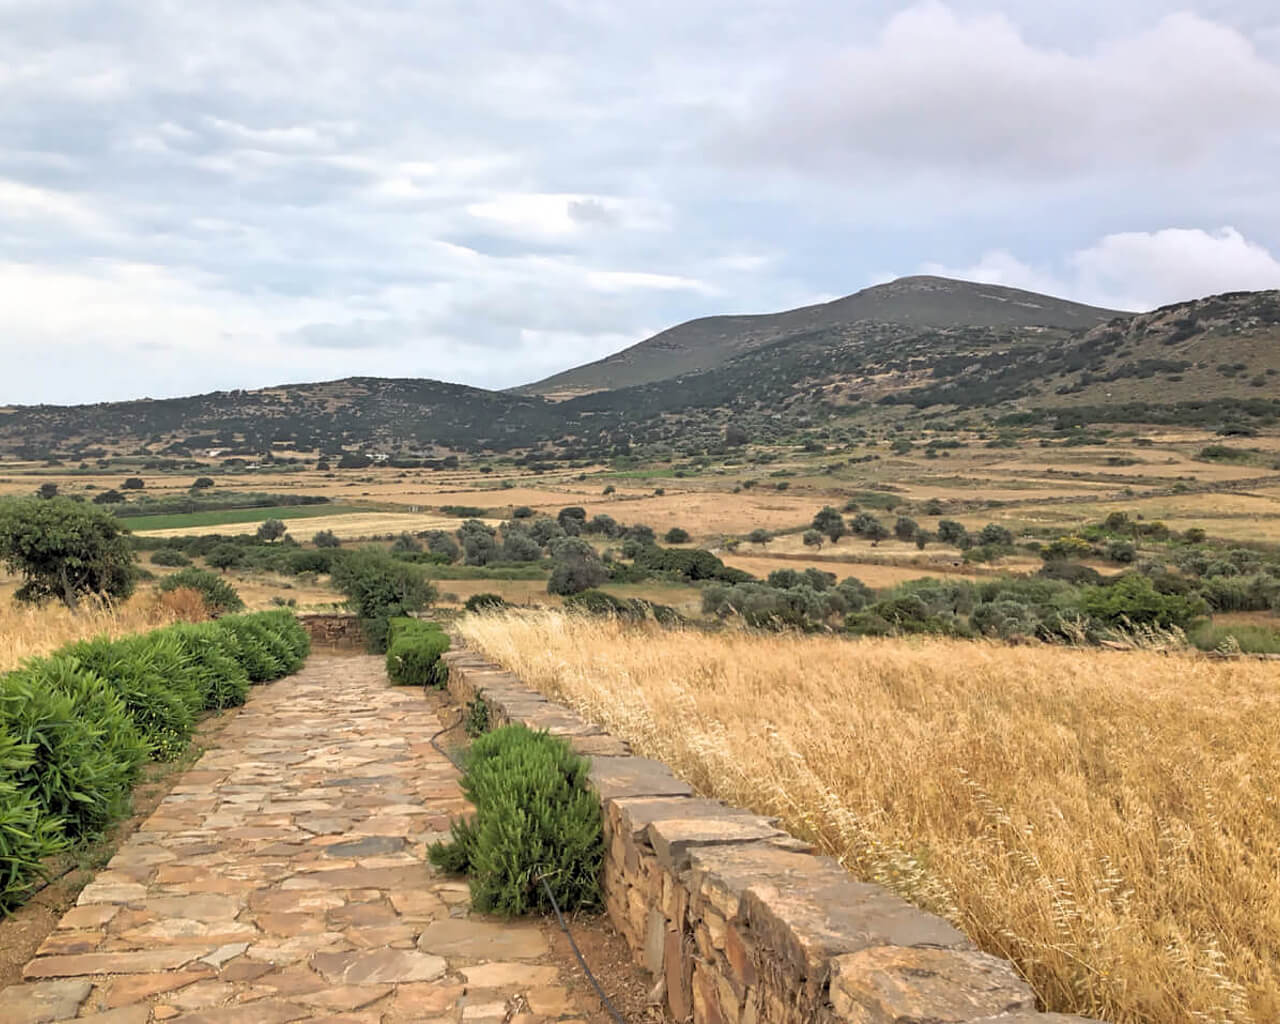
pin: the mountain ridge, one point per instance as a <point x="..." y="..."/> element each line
<point x="921" y="301"/>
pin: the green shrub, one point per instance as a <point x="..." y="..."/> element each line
<point x="413" y="653"/>
<point x="85" y="749"/>
<point x="379" y="588"/>
<point x="27" y="835"/>
<point x="163" y="709"/>
<point x="1134" y="599"/>
<point x="535" y="819"/>
<point x="221" y="679"/>
<point x="171" y="557"/>
<point x="219" y="596"/>
<point x="485" y="602"/>
<point x="260" y="658"/>
<point x="1246" y="638"/>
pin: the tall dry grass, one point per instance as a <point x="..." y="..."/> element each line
<point x="27" y="632"/>
<point x="1108" y="821"/>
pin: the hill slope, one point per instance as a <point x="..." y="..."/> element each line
<point x="1210" y="361"/>
<point x="919" y="302"/>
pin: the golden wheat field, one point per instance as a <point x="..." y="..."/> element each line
<point x="1108" y="821"/>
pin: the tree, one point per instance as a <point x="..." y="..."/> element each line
<point x="812" y="539"/>
<point x="111" y="497"/>
<point x="951" y="532"/>
<point x="225" y="556"/>
<point x="676" y="535"/>
<point x="522" y="512"/>
<point x="378" y="588"/>
<point x="47" y="491"/>
<point x="202" y="483"/>
<point x="905" y="528"/>
<point x="994" y="533"/>
<point x="830" y="522"/>
<point x="441" y="543"/>
<point x="577" y="567"/>
<point x="518" y="546"/>
<point x="759" y="536"/>
<point x="326" y="539"/>
<point x="133" y="483"/>
<point x="272" y="530"/>
<point x="66" y="550"/>
<point x="479" y="543"/>
<point x="734" y="435"/>
<point x="572" y="518"/>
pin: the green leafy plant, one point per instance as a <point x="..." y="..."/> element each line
<point x="27" y="834"/>
<point x="379" y="588"/>
<point x="477" y="720"/>
<point x="535" y="819"/>
<point x="413" y="653"/>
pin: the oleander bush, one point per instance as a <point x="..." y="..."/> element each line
<point x="535" y="819"/>
<point x="77" y="726"/>
<point x="413" y="653"/>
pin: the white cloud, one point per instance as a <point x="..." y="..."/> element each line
<point x="937" y="90"/>
<point x="1137" y="270"/>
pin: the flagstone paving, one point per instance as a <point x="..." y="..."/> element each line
<point x="284" y="878"/>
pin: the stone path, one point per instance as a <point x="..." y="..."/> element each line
<point x="284" y="879"/>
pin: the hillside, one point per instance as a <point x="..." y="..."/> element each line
<point x="350" y="413"/>
<point x="1208" y="362"/>
<point x="911" y="302"/>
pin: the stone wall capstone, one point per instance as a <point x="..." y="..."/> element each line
<point x="740" y="923"/>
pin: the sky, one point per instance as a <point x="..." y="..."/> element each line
<point x="204" y="196"/>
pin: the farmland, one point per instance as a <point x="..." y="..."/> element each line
<point x="1105" y="820"/>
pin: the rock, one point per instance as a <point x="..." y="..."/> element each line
<point x="144" y="962"/>
<point x="380" y="966"/>
<point x="46" y="1001"/>
<point x="891" y="983"/>
<point x="483" y="940"/>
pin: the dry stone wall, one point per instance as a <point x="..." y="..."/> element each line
<point x="738" y="922"/>
<point x="333" y="632"/>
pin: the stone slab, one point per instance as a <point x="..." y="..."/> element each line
<point x="623" y="777"/>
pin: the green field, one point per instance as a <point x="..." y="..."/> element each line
<point x="140" y="524"/>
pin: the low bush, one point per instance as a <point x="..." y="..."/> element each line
<point x="535" y="819"/>
<point x="27" y="835"/>
<point x="1245" y="638"/>
<point x="413" y="653"/>
<point x="219" y="596"/>
<point x="76" y="726"/>
<point x="485" y="602"/>
<point x="170" y="557"/>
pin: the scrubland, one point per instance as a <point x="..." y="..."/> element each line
<point x="1108" y="821"/>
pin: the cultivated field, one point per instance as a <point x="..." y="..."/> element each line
<point x="1106" y="820"/>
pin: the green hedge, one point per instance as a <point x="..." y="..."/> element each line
<point x="413" y="653"/>
<point x="77" y="726"/>
<point x="535" y="818"/>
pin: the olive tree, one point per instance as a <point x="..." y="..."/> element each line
<point x="66" y="550"/>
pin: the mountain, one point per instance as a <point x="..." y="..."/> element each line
<point x="1208" y="362"/>
<point x="919" y="302"/>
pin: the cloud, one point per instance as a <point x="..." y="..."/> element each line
<point x="1136" y="270"/>
<point x="234" y="195"/>
<point x="936" y="90"/>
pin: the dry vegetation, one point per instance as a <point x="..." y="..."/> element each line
<point x="27" y="631"/>
<point x="1108" y="821"/>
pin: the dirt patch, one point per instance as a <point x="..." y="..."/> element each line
<point x="610" y="960"/>
<point x="22" y="932"/>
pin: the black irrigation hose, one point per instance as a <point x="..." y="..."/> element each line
<point x="564" y="927"/>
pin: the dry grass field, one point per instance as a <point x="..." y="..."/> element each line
<point x="1108" y="821"/>
<point x="27" y="632"/>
